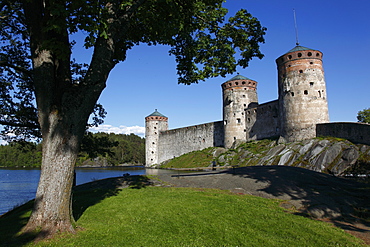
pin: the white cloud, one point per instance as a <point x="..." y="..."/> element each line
<point x="2" y="142"/>
<point x="137" y="130"/>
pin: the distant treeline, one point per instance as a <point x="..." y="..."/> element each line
<point x="97" y="149"/>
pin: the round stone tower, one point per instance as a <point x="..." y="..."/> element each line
<point x="302" y="93"/>
<point x="154" y="123"/>
<point x="239" y="93"/>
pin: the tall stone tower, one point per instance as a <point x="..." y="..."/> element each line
<point x="238" y="93"/>
<point x="302" y="93"/>
<point x="154" y="123"/>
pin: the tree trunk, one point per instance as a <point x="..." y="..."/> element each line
<point x="63" y="112"/>
<point x="52" y="209"/>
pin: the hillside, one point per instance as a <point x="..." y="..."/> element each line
<point x="328" y="155"/>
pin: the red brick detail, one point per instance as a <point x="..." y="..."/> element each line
<point x="156" y="118"/>
<point x="239" y="84"/>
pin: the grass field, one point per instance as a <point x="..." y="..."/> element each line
<point x="167" y="216"/>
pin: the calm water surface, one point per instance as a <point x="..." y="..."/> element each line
<point x="18" y="186"/>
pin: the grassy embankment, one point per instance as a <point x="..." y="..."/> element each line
<point x="205" y="157"/>
<point x="166" y="216"/>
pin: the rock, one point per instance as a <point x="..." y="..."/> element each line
<point x="350" y="155"/>
<point x="218" y="151"/>
<point x="275" y="150"/>
<point x="322" y="161"/>
<point x="285" y="158"/>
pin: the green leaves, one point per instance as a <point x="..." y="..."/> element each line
<point x="364" y="116"/>
<point x="212" y="48"/>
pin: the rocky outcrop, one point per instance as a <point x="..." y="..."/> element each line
<point x="332" y="156"/>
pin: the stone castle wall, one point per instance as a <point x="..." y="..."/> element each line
<point x="175" y="142"/>
<point x="262" y="121"/>
<point x="355" y="132"/>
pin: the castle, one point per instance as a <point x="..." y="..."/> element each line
<point x="301" y="105"/>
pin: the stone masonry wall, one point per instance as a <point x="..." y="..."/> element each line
<point x="176" y="142"/>
<point x="262" y="121"/>
<point x="354" y="132"/>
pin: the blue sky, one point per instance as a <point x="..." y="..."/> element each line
<point x="147" y="80"/>
<point x="340" y="29"/>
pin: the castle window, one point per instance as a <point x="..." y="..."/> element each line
<point x="155" y="127"/>
<point x="311" y="83"/>
<point x="319" y="93"/>
<point x="305" y="92"/>
<point x="300" y="71"/>
<point x="292" y="93"/>
<point x="290" y="57"/>
<point x="238" y="121"/>
<point x="236" y="83"/>
<point x="153" y="142"/>
<point x="230" y="84"/>
<point x="243" y="82"/>
<point x="152" y="152"/>
<point x="245" y="105"/>
<point x="243" y="96"/>
<point x="289" y="65"/>
<point x="299" y="54"/>
<point x="225" y="122"/>
<point x="309" y="54"/>
<point x="155" y="133"/>
<point x="311" y="62"/>
<point x="249" y="120"/>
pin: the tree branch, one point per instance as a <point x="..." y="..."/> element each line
<point x="17" y="68"/>
<point x="25" y="125"/>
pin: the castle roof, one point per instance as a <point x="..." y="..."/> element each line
<point x="238" y="77"/>
<point x="156" y="114"/>
<point x="299" y="48"/>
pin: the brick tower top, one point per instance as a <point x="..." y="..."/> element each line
<point x="298" y="53"/>
<point x="239" y="81"/>
<point x="156" y="116"/>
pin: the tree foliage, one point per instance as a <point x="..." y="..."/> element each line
<point x="46" y="93"/>
<point x="364" y="116"/>
<point x="113" y="149"/>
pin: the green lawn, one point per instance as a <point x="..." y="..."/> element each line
<point x="165" y="216"/>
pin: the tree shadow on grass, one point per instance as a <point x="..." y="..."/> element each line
<point x="343" y="202"/>
<point x="308" y="193"/>
<point x="84" y="196"/>
<point x="89" y="194"/>
<point x="312" y="188"/>
<point x="11" y="224"/>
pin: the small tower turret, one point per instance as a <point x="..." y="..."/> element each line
<point x="154" y="123"/>
<point x="239" y="93"/>
<point x="302" y="93"/>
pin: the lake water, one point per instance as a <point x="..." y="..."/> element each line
<point x="18" y="186"/>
